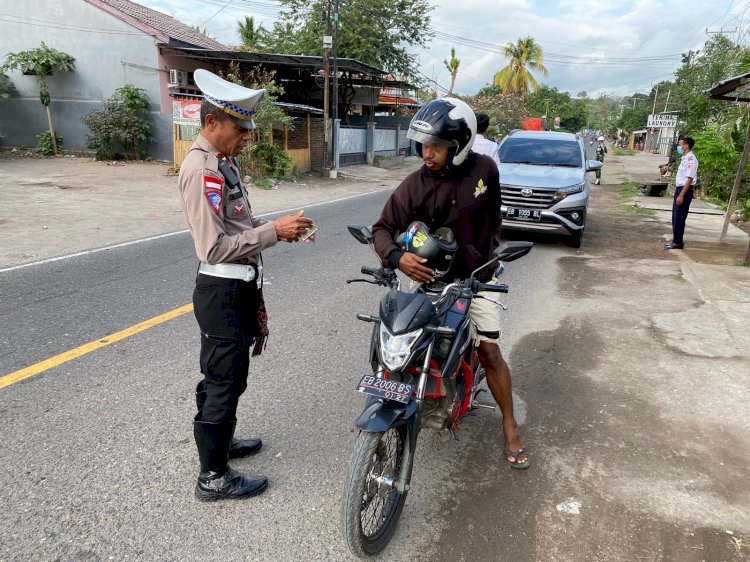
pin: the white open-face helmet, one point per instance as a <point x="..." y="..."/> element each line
<point x="449" y="120"/>
<point x="600" y="138"/>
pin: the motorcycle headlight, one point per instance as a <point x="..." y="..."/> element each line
<point x="395" y="350"/>
<point x="565" y="191"/>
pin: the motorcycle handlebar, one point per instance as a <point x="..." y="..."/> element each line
<point x="367" y="270"/>
<point x="492" y="288"/>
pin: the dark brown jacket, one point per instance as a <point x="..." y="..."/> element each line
<point x="466" y="199"/>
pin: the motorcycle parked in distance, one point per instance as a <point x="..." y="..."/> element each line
<point x="426" y="373"/>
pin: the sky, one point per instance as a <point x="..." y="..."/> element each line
<point x="593" y="46"/>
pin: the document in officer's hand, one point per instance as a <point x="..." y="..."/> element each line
<point x="309" y="232"/>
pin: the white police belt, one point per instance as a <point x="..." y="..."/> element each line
<point x="232" y="271"/>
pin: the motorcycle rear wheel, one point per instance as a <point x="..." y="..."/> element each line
<point x="370" y="509"/>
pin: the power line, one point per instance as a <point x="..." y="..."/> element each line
<point x="216" y="14"/>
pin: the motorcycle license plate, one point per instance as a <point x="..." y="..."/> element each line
<point x="390" y="390"/>
<point x="532" y="215"/>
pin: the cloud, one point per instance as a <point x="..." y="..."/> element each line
<point x="592" y="45"/>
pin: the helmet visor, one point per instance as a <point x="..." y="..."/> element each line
<point x="426" y="138"/>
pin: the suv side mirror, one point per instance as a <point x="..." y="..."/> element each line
<point x="593" y="165"/>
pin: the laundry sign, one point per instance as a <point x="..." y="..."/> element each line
<point x="662" y="121"/>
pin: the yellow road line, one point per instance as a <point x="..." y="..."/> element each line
<point x="42" y="366"/>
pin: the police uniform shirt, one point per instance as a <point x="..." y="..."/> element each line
<point x="219" y="217"/>
<point x="688" y="169"/>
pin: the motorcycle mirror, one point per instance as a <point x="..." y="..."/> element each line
<point x="510" y="251"/>
<point x="361" y="233"/>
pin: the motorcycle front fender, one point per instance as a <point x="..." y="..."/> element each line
<point x="381" y="415"/>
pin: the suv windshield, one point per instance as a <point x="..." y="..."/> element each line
<point x="541" y="152"/>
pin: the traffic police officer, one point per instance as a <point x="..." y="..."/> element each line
<point x="687" y="176"/>
<point x="228" y="298"/>
<point x="601" y="150"/>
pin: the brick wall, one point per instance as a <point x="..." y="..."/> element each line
<point x="297" y="137"/>
<point x="317" y="143"/>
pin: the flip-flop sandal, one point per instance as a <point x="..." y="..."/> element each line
<point x="515" y="455"/>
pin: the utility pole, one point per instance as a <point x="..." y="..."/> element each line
<point x="721" y="31"/>
<point x="656" y="95"/>
<point x="667" y="102"/>
<point x="327" y="43"/>
<point x="335" y="75"/>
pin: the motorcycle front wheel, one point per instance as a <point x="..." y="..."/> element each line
<point x="370" y="506"/>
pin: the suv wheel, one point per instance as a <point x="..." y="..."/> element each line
<point x="574" y="240"/>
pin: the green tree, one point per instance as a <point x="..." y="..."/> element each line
<point x="452" y="67"/>
<point x="380" y="33"/>
<point x="634" y="114"/>
<point x="573" y="113"/>
<point x="506" y="111"/>
<point x="264" y="157"/>
<point x="517" y="78"/>
<point x="41" y="62"/>
<point x="253" y="38"/>
<point x="719" y="59"/>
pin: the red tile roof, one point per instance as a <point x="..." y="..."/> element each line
<point x="161" y="26"/>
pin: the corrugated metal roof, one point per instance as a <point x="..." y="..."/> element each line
<point x="163" y="23"/>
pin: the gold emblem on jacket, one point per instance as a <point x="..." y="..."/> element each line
<point x="480" y="188"/>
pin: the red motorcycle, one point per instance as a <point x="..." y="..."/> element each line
<point x="425" y="374"/>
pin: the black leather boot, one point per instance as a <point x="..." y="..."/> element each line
<point x="217" y="481"/>
<point x="238" y="448"/>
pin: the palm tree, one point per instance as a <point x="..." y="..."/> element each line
<point x="252" y="37"/>
<point x="452" y="66"/>
<point x="516" y="77"/>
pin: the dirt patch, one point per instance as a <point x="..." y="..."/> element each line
<point x="56" y="206"/>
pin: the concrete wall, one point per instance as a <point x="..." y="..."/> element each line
<point x="109" y="53"/>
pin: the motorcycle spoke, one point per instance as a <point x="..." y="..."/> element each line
<point x="378" y="499"/>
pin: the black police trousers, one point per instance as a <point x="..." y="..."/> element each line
<point x="226" y="310"/>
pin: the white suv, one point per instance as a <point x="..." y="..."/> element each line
<point x="544" y="183"/>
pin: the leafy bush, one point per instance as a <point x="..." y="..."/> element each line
<point x="265" y="159"/>
<point x="122" y="123"/>
<point x="718" y="160"/>
<point x="45" y="146"/>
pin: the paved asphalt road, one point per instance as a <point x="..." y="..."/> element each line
<point x="98" y="457"/>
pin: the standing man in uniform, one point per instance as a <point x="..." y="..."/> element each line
<point x="687" y="176"/>
<point x="228" y="299"/>
<point x="458" y="189"/>
<point x="601" y="150"/>
<point x="483" y="145"/>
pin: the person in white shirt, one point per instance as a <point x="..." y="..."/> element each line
<point x="687" y="176"/>
<point x="483" y="145"/>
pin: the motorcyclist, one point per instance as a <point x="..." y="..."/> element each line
<point x="601" y="150"/>
<point x="458" y="189"/>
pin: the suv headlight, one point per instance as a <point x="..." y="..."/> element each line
<point x="395" y="350"/>
<point x="565" y="191"/>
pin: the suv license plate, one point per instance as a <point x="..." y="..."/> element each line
<point x="533" y="215"/>
<point x="390" y="390"/>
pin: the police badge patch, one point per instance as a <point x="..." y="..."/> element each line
<point x="214" y="199"/>
<point x="212" y="188"/>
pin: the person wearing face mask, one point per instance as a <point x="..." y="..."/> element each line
<point x="685" y="180"/>
<point x="228" y="297"/>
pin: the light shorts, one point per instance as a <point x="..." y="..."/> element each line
<point x="485" y="317"/>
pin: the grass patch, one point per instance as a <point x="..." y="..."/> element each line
<point x="629" y="189"/>
<point x="263" y="182"/>
<point x="639" y="210"/>
<point x="622" y="152"/>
